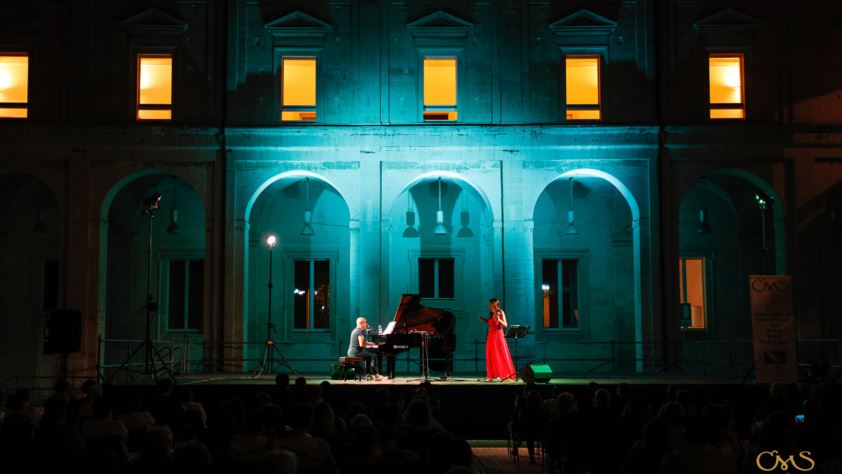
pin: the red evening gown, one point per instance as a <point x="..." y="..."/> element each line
<point x="498" y="360"/>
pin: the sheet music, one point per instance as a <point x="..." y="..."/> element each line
<point x="390" y="327"/>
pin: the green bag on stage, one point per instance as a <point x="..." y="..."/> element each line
<point x="335" y="371"/>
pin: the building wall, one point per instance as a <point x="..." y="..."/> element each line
<point x="511" y="148"/>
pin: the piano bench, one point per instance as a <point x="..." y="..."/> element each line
<point x="351" y="367"/>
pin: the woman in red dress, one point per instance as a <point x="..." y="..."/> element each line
<point x="498" y="360"/>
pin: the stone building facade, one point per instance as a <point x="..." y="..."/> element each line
<point x="650" y="189"/>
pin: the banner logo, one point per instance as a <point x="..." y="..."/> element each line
<point x="763" y="285"/>
<point x="769" y="461"/>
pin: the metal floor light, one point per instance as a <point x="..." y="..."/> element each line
<point x="270" y="354"/>
<point x="153" y="362"/>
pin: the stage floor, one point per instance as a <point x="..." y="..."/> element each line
<point x="465" y="380"/>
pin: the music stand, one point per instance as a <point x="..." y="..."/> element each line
<point x="516" y="331"/>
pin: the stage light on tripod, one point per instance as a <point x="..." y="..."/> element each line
<point x="271" y="240"/>
<point x="152" y="203"/>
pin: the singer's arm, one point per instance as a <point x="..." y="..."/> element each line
<point x="501" y="316"/>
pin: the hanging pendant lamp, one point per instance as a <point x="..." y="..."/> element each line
<point x="440" y="229"/>
<point x="410" y="231"/>
<point x="571" y="215"/>
<point x="465" y="220"/>
<point x="174" y="228"/>
<point x="307" y="229"/>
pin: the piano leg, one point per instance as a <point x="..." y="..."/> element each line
<point x="390" y="360"/>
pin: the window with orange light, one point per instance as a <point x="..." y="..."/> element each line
<point x="581" y="74"/>
<point x="14" y="85"/>
<point x="727" y="91"/>
<point x="154" y="87"/>
<point x="440" y="89"/>
<point x="560" y="293"/>
<point x="691" y="272"/>
<point x="299" y="89"/>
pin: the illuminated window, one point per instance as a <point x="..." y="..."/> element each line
<point x="560" y="293"/>
<point x="727" y="94"/>
<point x="154" y="87"/>
<point x="691" y="273"/>
<point x="436" y="277"/>
<point x="439" y="89"/>
<point x="14" y="85"/>
<point x="185" y="295"/>
<point x="582" y="87"/>
<point x="311" y="295"/>
<point x="299" y="89"/>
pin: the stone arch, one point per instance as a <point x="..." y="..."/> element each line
<point x="179" y="253"/>
<point x="725" y="219"/>
<point x="636" y="247"/>
<point x="32" y="282"/>
<point x="275" y="202"/>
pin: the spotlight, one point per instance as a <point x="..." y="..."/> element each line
<point x="761" y="202"/>
<point x="152" y="203"/>
<point x="271" y="240"/>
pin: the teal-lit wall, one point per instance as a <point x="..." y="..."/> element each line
<point x="510" y="181"/>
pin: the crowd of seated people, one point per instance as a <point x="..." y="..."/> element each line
<point x="601" y="432"/>
<point x="290" y="429"/>
<point x="302" y="428"/>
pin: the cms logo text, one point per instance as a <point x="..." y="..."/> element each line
<point x="769" y="461"/>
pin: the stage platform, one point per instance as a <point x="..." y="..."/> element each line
<point x="469" y="406"/>
<point x="464" y="379"/>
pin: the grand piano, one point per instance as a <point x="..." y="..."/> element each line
<point x="414" y="324"/>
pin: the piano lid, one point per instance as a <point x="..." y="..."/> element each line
<point x="411" y="315"/>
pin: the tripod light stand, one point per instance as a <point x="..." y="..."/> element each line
<point x="153" y="362"/>
<point x="267" y="358"/>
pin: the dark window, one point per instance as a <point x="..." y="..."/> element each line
<point x="311" y="295"/>
<point x="186" y="294"/>
<point x="196" y="287"/>
<point x="436" y="277"/>
<point x="427" y="277"/>
<point x="560" y="291"/>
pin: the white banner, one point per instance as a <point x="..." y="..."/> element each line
<point x="775" y="357"/>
